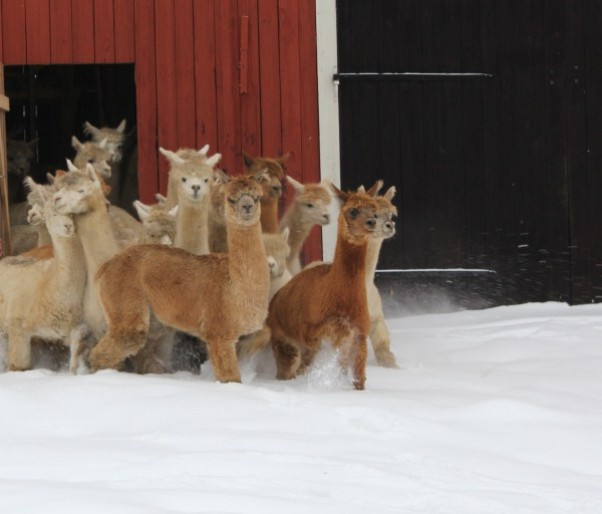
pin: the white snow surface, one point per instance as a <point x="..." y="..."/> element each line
<point x="493" y="411"/>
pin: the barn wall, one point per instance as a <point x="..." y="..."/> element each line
<point x="197" y="80"/>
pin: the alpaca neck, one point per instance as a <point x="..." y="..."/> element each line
<point x="269" y="216"/>
<point x="192" y="227"/>
<point x="96" y="235"/>
<point x="218" y="236"/>
<point x="374" y="246"/>
<point x="298" y="230"/>
<point x="69" y="265"/>
<point x="246" y="253"/>
<point x="44" y="238"/>
<point x="348" y="270"/>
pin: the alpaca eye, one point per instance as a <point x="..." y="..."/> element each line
<point x="354" y="213"/>
<point x="206" y="180"/>
<point x="90" y="161"/>
<point x="183" y="179"/>
<point x="231" y="200"/>
<point x="310" y="205"/>
<point x="81" y="191"/>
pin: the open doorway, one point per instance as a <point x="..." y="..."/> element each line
<point x="49" y="105"/>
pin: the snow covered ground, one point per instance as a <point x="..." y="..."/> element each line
<point x="494" y="411"/>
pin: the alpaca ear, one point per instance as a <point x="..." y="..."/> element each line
<point x="76" y="144"/>
<point x="103" y="144"/>
<point x="283" y="158"/>
<point x="220" y="176"/>
<point x="296" y="185"/>
<point x="173" y="212"/>
<point x="285" y="233"/>
<point x="204" y="151"/>
<point x="160" y="198"/>
<point x="247" y="160"/>
<point x="373" y="191"/>
<point x="213" y="160"/>
<point x="172" y="156"/>
<point x="141" y="209"/>
<point x="390" y="193"/>
<point x="91" y="130"/>
<point x="341" y="195"/>
<point x="71" y="166"/>
<point x="30" y="184"/>
<point x="361" y="189"/>
<point x="50" y="178"/>
<point x="121" y="127"/>
<point x="93" y="177"/>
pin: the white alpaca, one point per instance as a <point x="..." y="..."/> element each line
<point x="43" y="298"/>
<point x="183" y="156"/>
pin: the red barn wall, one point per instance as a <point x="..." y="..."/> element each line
<point x="197" y="80"/>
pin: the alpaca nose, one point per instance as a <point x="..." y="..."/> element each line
<point x="326" y="218"/>
<point x="390" y="225"/>
<point x="247" y="207"/>
<point x="371" y="223"/>
<point x="196" y="188"/>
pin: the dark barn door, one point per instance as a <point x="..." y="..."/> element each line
<point x="489" y="123"/>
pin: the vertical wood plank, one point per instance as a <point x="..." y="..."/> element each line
<point x="269" y="70"/>
<point x="290" y="78"/>
<point x="13" y="32"/>
<point x="61" y="49"/>
<point x="1" y="31"/>
<point x="5" y="242"/>
<point x="104" y="32"/>
<point x="82" y="31"/>
<point x="204" y="73"/>
<point x="146" y="99"/>
<point x="228" y="99"/>
<point x="184" y="61"/>
<point x="124" y="33"/>
<point x="250" y="115"/>
<point x="167" y="108"/>
<point x="37" y="27"/>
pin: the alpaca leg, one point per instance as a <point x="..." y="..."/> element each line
<point x="19" y="349"/>
<point x="76" y="346"/>
<point x="381" y="342"/>
<point x="254" y="343"/>
<point x="222" y="355"/>
<point x="359" y="353"/>
<point x="288" y="359"/>
<point x="116" y="346"/>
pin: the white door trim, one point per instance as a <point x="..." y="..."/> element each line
<point x="328" y="104"/>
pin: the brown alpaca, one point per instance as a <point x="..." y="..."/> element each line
<point x="218" y="235"/>
<point x="214" y="297"/>
<point x="309" y="207"/>
<point x="272" y="188"/>
<point x="328" y="301"/>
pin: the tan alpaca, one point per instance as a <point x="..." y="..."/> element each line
<point x="272" y="188"/>
<point x="96" y="154"/>
<point x="277" y="251"/>
<point x="115" y="138"/>
<point x="328" y="301"/>
<point x="214" y="297"/>
<point x="43" y="298"/>
<point x="379" y="334"/>
<point x="309" y="207"/>
<point x="80" y="194"/>
<point x="158" y="223"/>
<point x="187" y="157"/>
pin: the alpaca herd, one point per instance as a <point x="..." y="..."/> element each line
<point x="212" y="259"/>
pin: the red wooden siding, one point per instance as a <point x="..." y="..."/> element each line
<point x="187" y="56"/>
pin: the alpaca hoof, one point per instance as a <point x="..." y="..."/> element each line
<point x="358" y="386"/>
<point x="386" y="359"/>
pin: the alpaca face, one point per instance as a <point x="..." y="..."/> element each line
<point x="360" y="217"/>
<point x="194" y="181"/>
<point x="272" y="188"/>
<point x="218" y="212"/>
<point x="20" y="155"/>
<point x="96" y="154"/>
<point x="60" y="225"/>
<point x="115" y="138"/>
<point x="76" y="191"/>
<point x="277" y="251"/>
<point x="385" y="226"/>
<point x="243" y="197"/>
<point x="314" y="202"/>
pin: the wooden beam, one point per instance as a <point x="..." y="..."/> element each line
<point x="5" y="242"/>
<point x="4" y="103"/>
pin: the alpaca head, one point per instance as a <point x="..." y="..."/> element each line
<point x="19" y="156"/>
<point x="358" y="219"/>
<point x="158" y="223"/>
<point x="43" y="210"/>
<point x="313" y="201"/>
<point x="96" y="154"/>
<point x="78" y="192"/>
<point x="115" y="138"/>
<point x="272" y="188"/>
<point x="242" y="200"/>
<point x="385" y="227"/>
<point x="277" y="251"/>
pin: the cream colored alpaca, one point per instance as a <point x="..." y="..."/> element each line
<point x="158" y="223"/>
<point x="379" y="334"/>
<point x="215" y="297"/>
<point x="43" y="298"/>
<point x="192" y="178"/>
<point x="80" y="194"/>
<point x="182" y="157"/>
<point x="96" y="154"/>
<point x="309" y="207"/>
<point x="277" y="251"/>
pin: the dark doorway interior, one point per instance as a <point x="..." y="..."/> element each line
<point x="50" y="104"/>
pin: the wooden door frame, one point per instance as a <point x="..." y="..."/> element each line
<point x="6" y="246"/>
